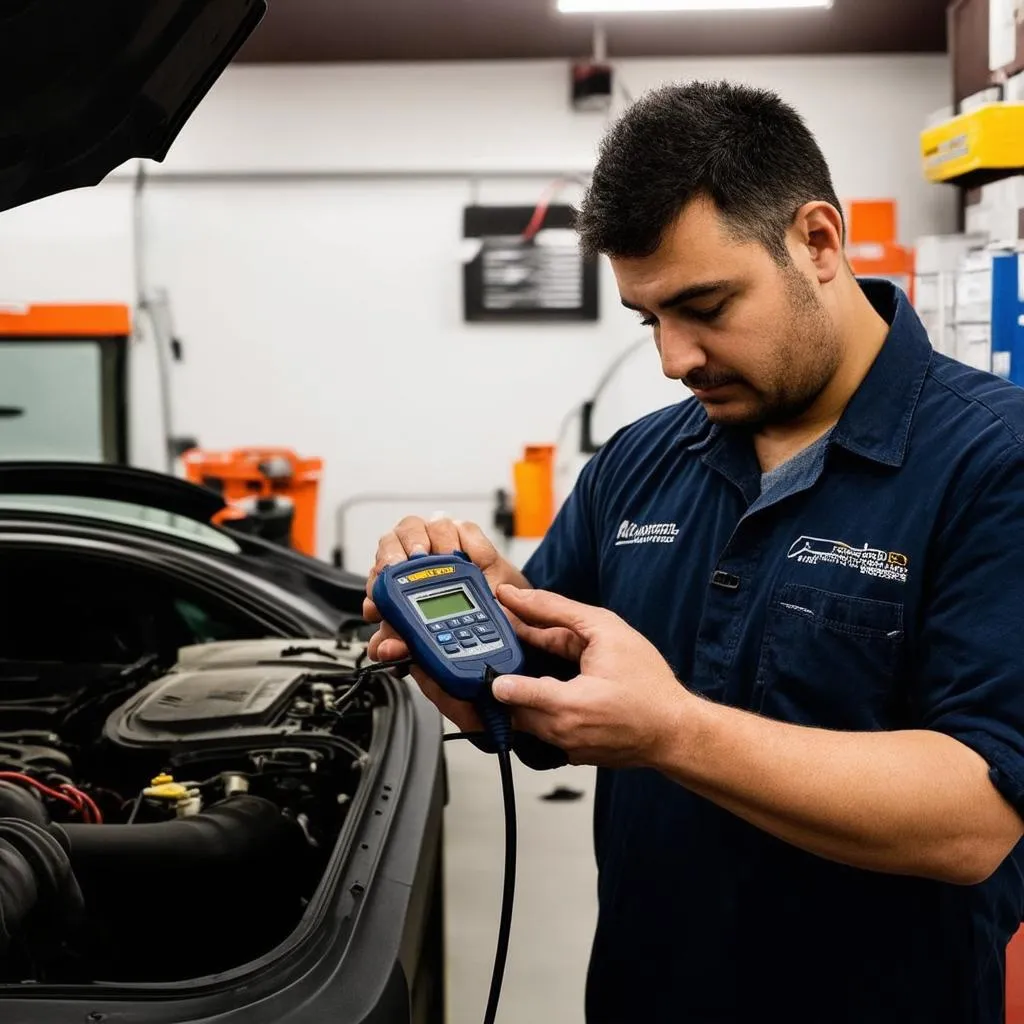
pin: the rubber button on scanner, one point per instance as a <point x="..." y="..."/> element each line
<point x="445" y="638"/>
<point x="464" y="634"/>
<point x="468" y="643"/>
<point x="484" y="630"/>
<point x="437" y="627"/>
<point x="452" y="649"/>
<point x="726" y="581"/>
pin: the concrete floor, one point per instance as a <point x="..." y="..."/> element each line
<point x="556" y="903"/>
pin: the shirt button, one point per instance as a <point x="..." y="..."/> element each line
<point x="726" y="580"/>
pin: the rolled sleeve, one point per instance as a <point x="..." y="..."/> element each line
<point x="972" y="650"/>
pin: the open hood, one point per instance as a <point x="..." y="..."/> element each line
<point x="89" y="86"/>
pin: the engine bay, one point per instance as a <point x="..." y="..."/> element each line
<point x="142" y="804"/>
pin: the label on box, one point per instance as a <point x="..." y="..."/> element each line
<point x="1001" y="364"/>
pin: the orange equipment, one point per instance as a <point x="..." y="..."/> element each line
<point x="264" y="486"/>
<point x="534" y="507"/>
<point x="872" y="247"/>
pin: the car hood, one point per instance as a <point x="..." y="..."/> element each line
<point x="89" y="86"/>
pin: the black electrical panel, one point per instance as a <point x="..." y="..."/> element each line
<point x="515" y="278"/>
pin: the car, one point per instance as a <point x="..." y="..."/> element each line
<point x="209" y="807"/>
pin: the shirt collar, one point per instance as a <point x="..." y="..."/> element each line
<point x="877" y="420"/>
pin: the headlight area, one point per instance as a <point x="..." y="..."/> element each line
<point x="137" y="840"/>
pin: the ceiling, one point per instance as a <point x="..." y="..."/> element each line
<point x="406" y="30"/>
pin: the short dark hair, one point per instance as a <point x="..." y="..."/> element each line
<point x="743" y="148"/>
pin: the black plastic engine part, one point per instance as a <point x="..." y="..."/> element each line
<point x="240" y="828"/>
<point x="37" y="886"/>
<point x="225" y="703"/>
<point x="17" y="802"/>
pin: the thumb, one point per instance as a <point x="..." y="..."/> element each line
<point x="477" y="545"/>
<point x="525" y="692"/>
<point x="543" y="608"/>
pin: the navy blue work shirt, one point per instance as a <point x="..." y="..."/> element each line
<point x="880" y="587"/>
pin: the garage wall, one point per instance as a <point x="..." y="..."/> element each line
<point x="307" y="229"/>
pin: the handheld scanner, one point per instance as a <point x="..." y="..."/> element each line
<point x="443" y="609"/>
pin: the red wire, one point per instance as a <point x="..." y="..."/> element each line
<point x="19" y="777"/>
<point x="88" y="802"/>
<point x="539" y="214"/>
<point x="72" y="796"/>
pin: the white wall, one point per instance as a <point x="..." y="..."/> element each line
<point x="324" y="313"/>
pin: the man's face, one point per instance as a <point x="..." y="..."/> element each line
<point x="751" y="339"/>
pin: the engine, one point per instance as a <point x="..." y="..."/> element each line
<point x="166" y="812"/>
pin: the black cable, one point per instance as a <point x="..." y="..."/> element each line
<point x="508" y="894"/>
<point x="465" y="736"/>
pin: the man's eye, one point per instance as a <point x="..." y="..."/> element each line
<point x="707" y="316"/>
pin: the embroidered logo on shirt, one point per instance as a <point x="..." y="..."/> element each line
<point x="887" y="565"/>
<point x="650" y="533"/>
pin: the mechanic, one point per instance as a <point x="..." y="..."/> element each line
<point x="792" y="606"/>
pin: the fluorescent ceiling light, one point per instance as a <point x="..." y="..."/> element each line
<point x="653" y="6"/>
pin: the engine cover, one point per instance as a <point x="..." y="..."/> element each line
<point x="220" y="693"/>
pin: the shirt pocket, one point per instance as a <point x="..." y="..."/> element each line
<point x="830" y="660"/>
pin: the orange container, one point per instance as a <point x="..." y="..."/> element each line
<point x="1015" y="980"/>
<point x="872" y="247"/>
<point x="534" y="491"/>
<point x="246" y="474"/>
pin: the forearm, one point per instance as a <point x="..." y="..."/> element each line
<point x="914" y="803"/>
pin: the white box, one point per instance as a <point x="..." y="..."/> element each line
<point x="941" y="331"/>
<point x="974" y="346"/>
<point x="937" y="254"/>
<point x="994" y="211"/>
<point x="974" y="289"/>
<point x="1013" y="90"/>
<point x="1002" y="33"/>
<point x="934" y="292"/>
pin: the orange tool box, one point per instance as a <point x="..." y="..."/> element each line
<point x="272" y="488"/>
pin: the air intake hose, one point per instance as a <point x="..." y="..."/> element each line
<point x="240" y="828"/>
<point x="37" y="888"/>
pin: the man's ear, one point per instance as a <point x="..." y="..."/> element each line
<point x="818" y="235"/>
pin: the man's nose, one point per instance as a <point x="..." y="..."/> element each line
<point x="680" y="353"/>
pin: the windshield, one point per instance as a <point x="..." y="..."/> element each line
<point x="121" y="512"/>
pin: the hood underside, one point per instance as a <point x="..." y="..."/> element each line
<point x="89" y="86"/>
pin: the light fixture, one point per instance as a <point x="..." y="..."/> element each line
<point x="655" y="6"/>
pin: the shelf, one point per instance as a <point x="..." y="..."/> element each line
<point x="976" y="148"/>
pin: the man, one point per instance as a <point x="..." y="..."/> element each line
<point x="795" y="601"/>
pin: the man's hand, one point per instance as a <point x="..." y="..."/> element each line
<point x="415" y="536"/>
<point x="622" y="710"/>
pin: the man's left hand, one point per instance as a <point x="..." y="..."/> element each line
<point x="621" y="711"/>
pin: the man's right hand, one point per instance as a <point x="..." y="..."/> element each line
<point x="415" y="536"/>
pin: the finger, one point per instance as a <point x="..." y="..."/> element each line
<point x="542" y="608"/>
<point x="557" y="640"/>
<point x="457" y="711"/>
<point x="444" y="536"/>
<point x="370" y="612"/>
<point x="545" y="694"/>
<point x="390" y="551"/>
<point x="391" y="649"/>
<point x="412" y="534"/>
<point x="387" y="645"/>
<point x="477" y="545"/>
